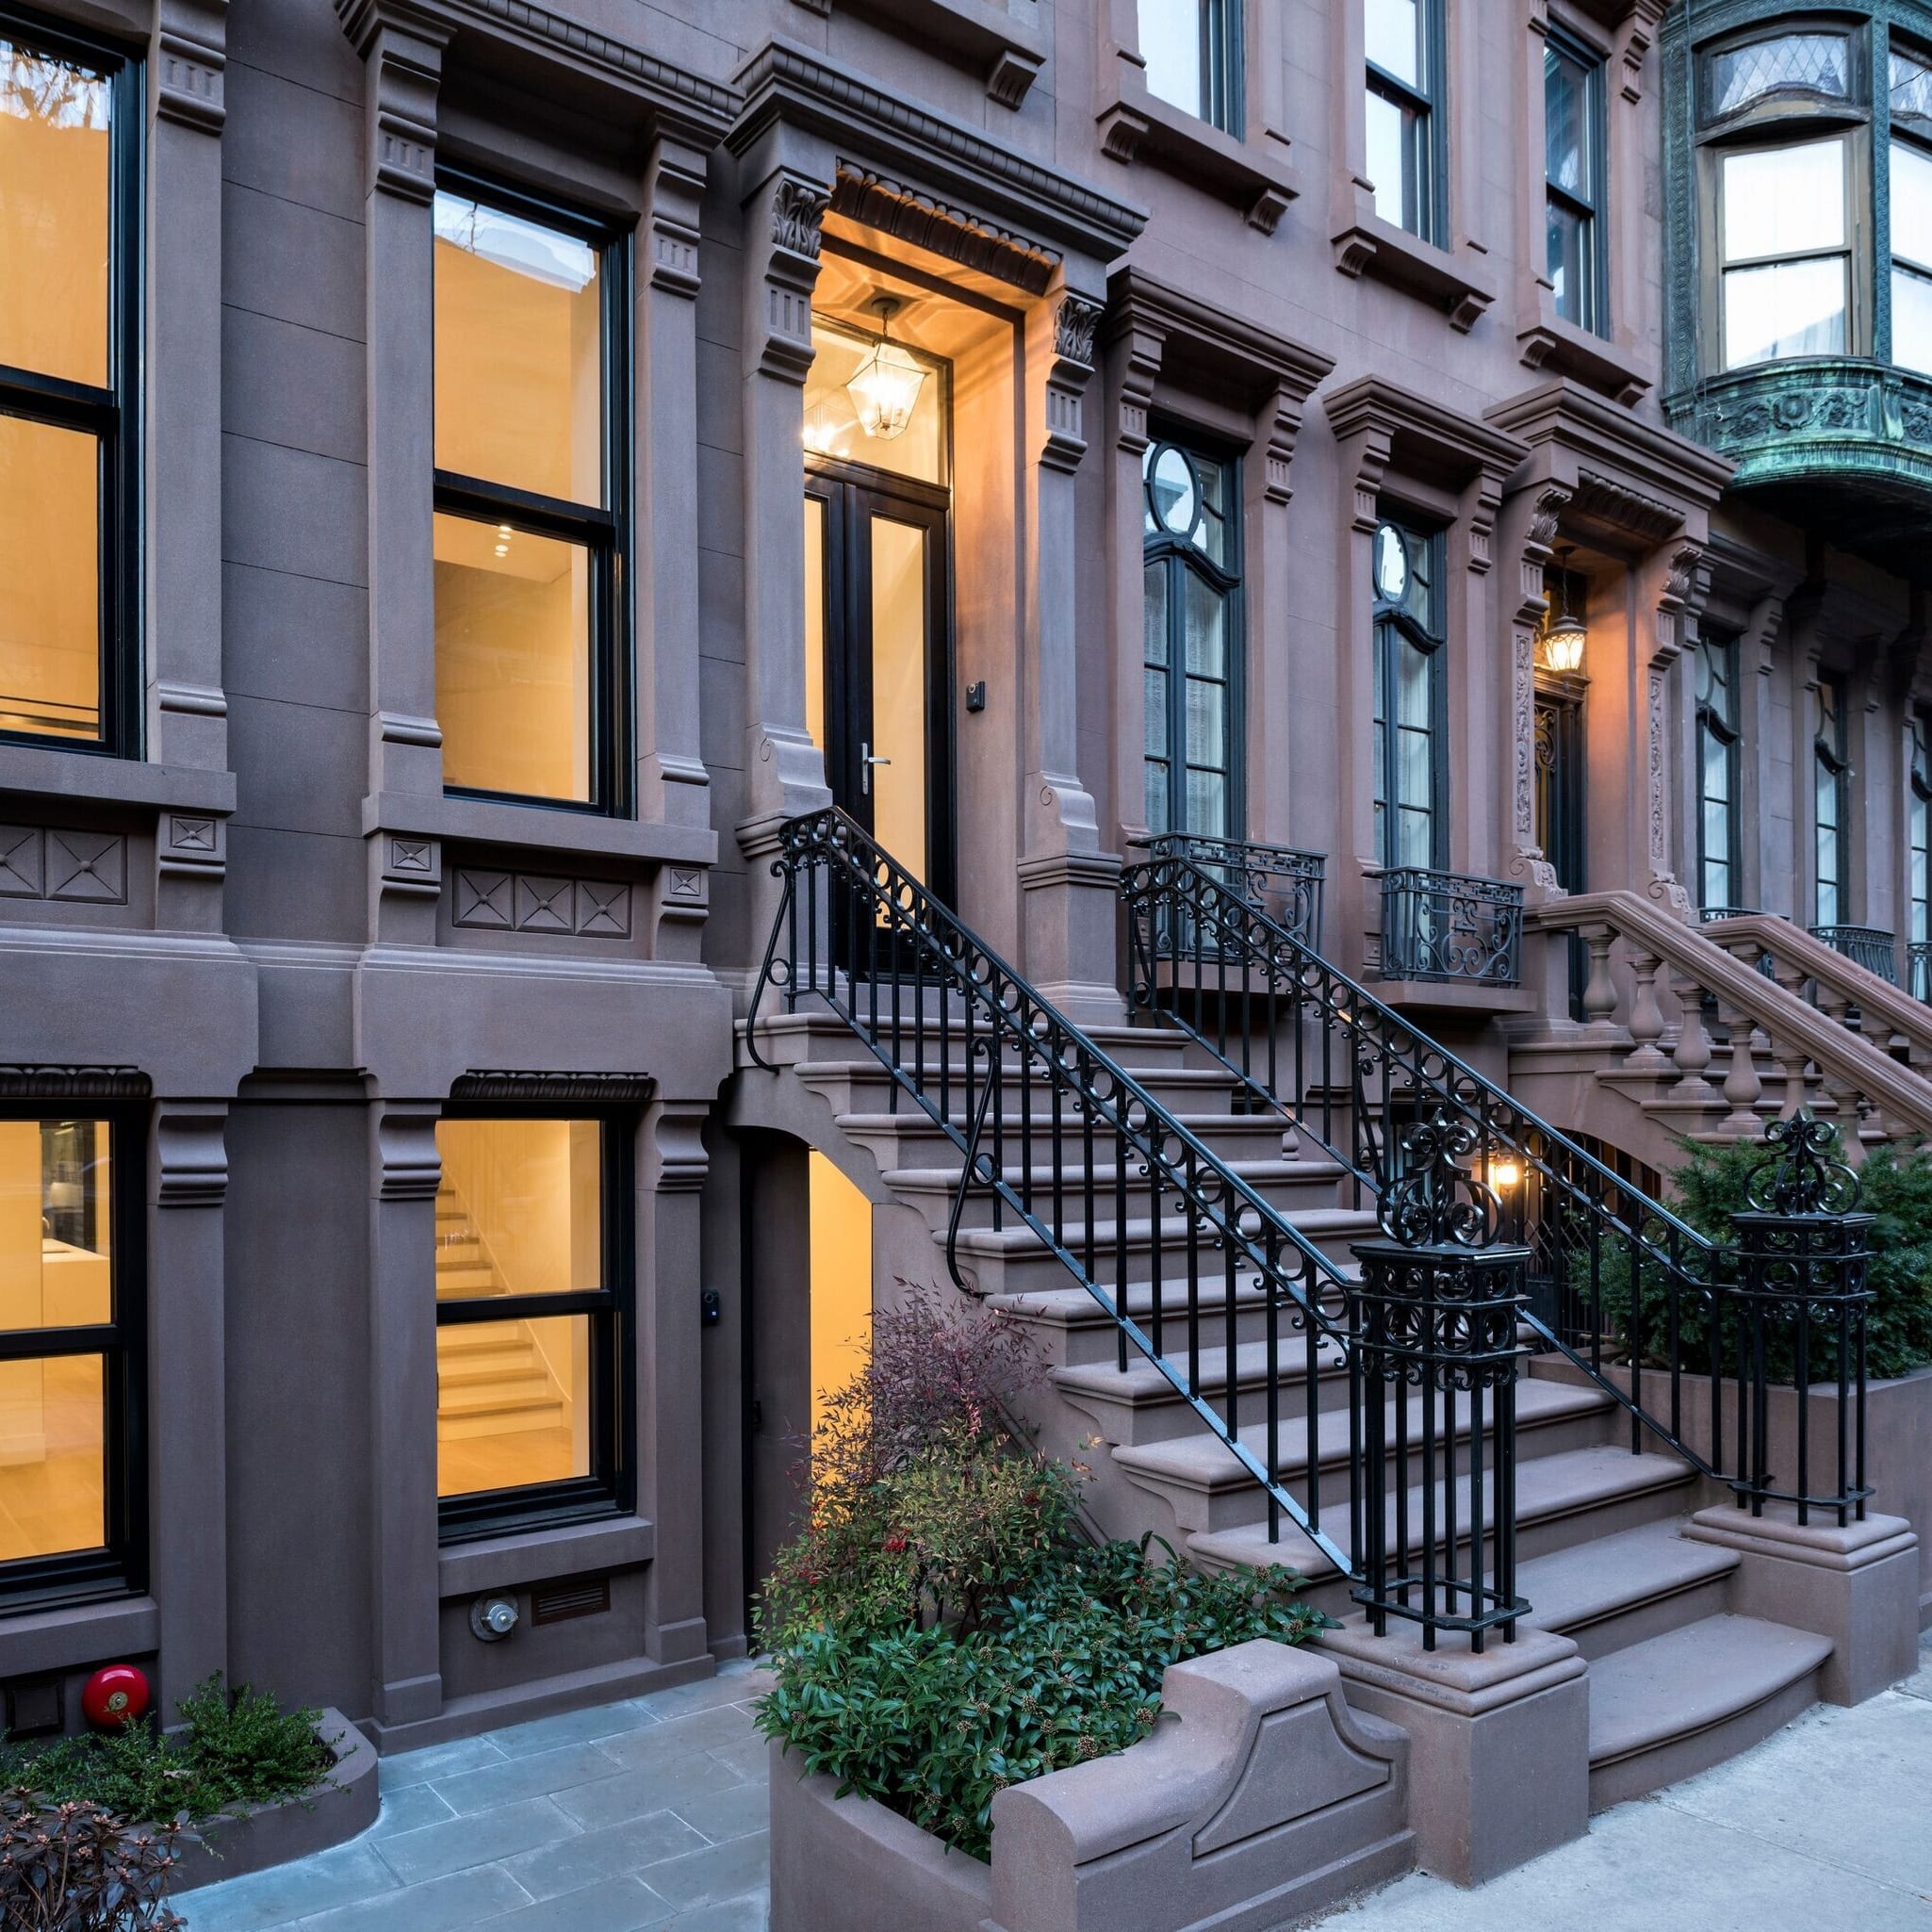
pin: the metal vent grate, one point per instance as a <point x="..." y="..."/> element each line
<point x="562" y="1601"/>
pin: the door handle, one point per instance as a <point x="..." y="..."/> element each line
<point x="866" y="761"/>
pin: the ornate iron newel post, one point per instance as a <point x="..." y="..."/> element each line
<point x="1436" y="1313"/>
<point x="1802" y="1300"/>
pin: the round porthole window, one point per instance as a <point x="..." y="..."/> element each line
<point x="1391" y="564"/>
<point x="1175" y="495"/>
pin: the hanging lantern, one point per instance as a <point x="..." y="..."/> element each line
<point x="1565" y="633"/>
<point x="886" y="389"/>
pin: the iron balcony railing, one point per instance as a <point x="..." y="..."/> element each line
<point x="1446" y="925"/>
<point x="1631" y="1294"/>
<point x="1918" y="967"/>
<point x="1285" y="883"/>
<point x="1184" y="1255"/>
<point x="1868" y="946"/>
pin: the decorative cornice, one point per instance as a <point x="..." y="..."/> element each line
<point x="1208" y="342"/>
<point x="869" y="197"/>
<point x="786" y="83"/>
<point x="514" y="1086"/>
<point x="1645" y="517"/>
<point x="29" y="1080"/>
<point x="1412" y="429"/>
<point x="1583" y="426"/>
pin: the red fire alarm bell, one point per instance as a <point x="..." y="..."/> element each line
<point x="114" y="1695"/>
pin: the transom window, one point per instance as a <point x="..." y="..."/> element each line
<point x="1191" y="50"/>
<point x="1573" y="168"/>
<point x="1830" y="796"/>
<point x="530" y="468"/>
<point x="1717" y="772"/>
<point x="70" y="1357"/>
<point x="1194" y="643"/>
<point x="533" y="1273"/>
<point x="70" y="139"/>
<point x="1817" y="195"/>
<point x="1404" y="120"/>
<point x="1411" y="699"/>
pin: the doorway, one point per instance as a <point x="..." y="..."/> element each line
<point x="1560" y="830"/>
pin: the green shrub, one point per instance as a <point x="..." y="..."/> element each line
<point x="1709" y="1189"/>
<point x="233" y="1750"/>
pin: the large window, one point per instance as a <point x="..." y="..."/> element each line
<point x="1411" y="806"/>
<point x="70" y="1376"/>
<point x="1717" y="772"/>
<point x="1911" y="208"/>
<point x="1404" y="113"/>
<point x="1918" y="847"/>
<point x="1192" y="53"/>
<point x="530" y="467"/>
<point x="534" y="1271"/>
<point x="1192" y="552"/>
<point x="70" y="133"/>
<point x="1830" y="802"/>
<point x="1574" y="138"/>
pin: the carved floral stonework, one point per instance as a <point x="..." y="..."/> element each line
<point x="1075" y="321"/>
<point x="798" y="208"/>
<point x="1659" y="823"/>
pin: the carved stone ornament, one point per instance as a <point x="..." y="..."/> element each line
<point x="1075" y="321"/>
<point x="798" y="208"/>
<point x="1547" y="515"/>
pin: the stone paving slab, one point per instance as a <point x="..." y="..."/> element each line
<point x="650" y="1816"/>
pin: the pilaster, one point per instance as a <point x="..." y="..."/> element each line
<point x="1528" y="532"/>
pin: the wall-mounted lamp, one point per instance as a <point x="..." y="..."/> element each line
<point x="1564" y="634"/>
<point x="888" y="381"/>
<point x="1505" y="1175"/>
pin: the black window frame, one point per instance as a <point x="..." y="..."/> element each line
<point x="120" y="1566"/>
<point x="1393" y="626"/>
<point x="1429" y="103"/>
<point x="605" y="532"/>
<point x="1889" y="263"/>
<point x="1720" y="724"/>
<point x="1175" y="556"/>
<point x="611" y="1487"/>
<point x="1831" y="757"/>
<point x="1918" y="823"/>
<point x="111" y="414"/>
<point x="1590" y="211"/>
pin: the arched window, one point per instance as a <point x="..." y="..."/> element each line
<point x="1194" y="645"/>
<point x="1410" y="804"/>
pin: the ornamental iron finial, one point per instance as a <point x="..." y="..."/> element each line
<point x="1436" y="1201"/>
<point x="1801" y="1174"/>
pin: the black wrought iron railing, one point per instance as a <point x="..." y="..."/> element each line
<point x="1448" y="926"/>
<point x="1919" y="968"/>
<point x="1285" y="882"/>
<point x="1187" y="1258"/>
<point x="1868" y="946"/>
<point x="1618" y="1283"/>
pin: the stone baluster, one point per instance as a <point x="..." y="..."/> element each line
<point x="1599" y="991"/>
<point x="1646" y="1016"/>
<point x="1743" y="1083"/>
<point x="1690" y="1055"/>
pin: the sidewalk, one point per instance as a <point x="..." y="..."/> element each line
<point x="653" y="1813"/>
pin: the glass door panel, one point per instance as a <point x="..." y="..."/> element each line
<point x="895" y="758"/>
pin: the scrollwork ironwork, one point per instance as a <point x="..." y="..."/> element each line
<point x="1803" y="1175"/>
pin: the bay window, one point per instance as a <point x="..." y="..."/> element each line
<point x="70" y="1373"/>
<point x="70" y="133"/>
<point x="529" y="486"/>
<point x="1910" y="188"/>
<point x="1575" y="155"/>
<point x="1404" y="119"/>
<point x="1191" y="51"/>
<point x="1192" y="660"/>
<point x="533" y="1279"/>
<point x="1411" y="699"/>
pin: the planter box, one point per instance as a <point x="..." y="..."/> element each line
<point x="1260" y="1798"/>
<point x="342" y="1804"/>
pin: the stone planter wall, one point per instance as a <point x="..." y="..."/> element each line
<point x="1261" y="1797"/>
<point x="341" y="1806"/>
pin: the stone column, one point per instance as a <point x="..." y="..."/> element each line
<point x="188" y="1493"/>
<point x="401" y="48"/>
<point x="669" y="1333"/>
<point x="1528" y="529"/>
<point x="1671" y="589"/>
<point x="405" y="1173"/>
<point x="672" y="784"/>
<point x="1068" y="886"/>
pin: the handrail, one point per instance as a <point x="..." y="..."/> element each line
<point x="1297" y="874"/>
<point x="1844" y="976"/>
<point x="1855" y="1063"/>
<point x="861" y="908"/>
<point x="1576" y="1201"/>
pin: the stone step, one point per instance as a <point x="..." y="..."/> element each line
<point x="1690" y="1699"/>
<point x="910" y="1139"/>
<point x="1561" y="1502"/>
<point x="1074" y="1331"/>
<point x="790" y="1037"/>
<point x="1014" y="1261"/>
<point x="1140" y="1405"/>
<point x="1207" y="1489"/>
<point x="1615" y="1591"/>
<point x="862" y="1086"/>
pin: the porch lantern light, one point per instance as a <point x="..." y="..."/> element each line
<point x="887" y="387"/>
<point x="1565" y="633"/>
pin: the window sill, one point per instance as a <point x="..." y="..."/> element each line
<point x="1547" y="341"/>
<point x="96" y="779"/>
<point x="60" y="1637"/>
<point x="1365" y="244"/>
<point x="987" y="32"/>
<point x="495" y="823"/>
<point x="541" y="1556"/>
<point x="1252" y="174"/>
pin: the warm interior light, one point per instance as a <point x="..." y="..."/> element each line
<point x="1565" y="633"/>
<point x="887" y="387"/>
<point x="1505" y="1174"/>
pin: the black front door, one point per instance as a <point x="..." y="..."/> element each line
<point x="1560" y="810"/>
<point x="878" y="659"/>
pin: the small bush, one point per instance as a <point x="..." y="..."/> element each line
<point x="235" y="1749"/>
<point x="76" y="1867"/>
<point x="1709" y="1189"/>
